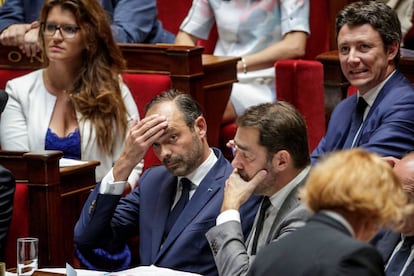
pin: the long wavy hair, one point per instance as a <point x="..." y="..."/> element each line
<point x="96" y="91"/>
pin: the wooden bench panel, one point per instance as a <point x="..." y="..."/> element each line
<point x="56" y="196"/>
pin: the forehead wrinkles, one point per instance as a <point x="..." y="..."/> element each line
<point x="358" y="34"/>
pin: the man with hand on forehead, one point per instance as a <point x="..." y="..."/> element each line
<point x="174" y="204"/>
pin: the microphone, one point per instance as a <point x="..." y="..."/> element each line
<point x="3" y="100"/>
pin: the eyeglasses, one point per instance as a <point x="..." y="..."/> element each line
<point x="244" y="154"/>
<point x="66" y="30"/>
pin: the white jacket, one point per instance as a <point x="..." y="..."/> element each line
<point x="26" y="118"/>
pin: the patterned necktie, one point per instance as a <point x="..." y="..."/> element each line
<point x="179" y="206"/>
<point x="356" y="122"/>
<point x="260" y="221"/>
<point x="399" y="259"/>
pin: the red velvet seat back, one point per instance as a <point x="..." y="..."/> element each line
<point x="300" y="82"/>
<point x="172" y="14"/>
<point x="19" y="226"/>
<point x="318" y="40"/>
<point x="6" y="75"/>
<point x="143" y="88"/>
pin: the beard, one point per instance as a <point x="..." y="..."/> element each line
<point x="186" y="163"/>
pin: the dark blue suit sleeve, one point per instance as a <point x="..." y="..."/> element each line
<point x="12" y="12"/>
<point x="7" y="188"/>
<point x="393" y="136"/>
<point x="136" y="22"/>
<point x="388" y="129"/>
<point x="93" y="229"/>
<point x="107" y="221"/>
<point x="318" y="151"/>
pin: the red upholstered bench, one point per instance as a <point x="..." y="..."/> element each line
<point x="300" y="82"/>
<point x="47" y="203"/>
<point x="143" y="88"/>
<point x="19" y="226"/>
<point x="6" y="75"/>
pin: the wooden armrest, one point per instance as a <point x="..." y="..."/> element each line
<point x="55" y="197"/>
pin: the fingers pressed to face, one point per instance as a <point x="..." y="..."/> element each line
<point x="150" y="128"/>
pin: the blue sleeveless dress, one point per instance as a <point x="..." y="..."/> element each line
<point x="70" y="145"/>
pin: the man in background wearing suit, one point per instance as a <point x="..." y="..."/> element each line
<point x="271" y="159"/>
<point x="131" y="22"/>
<point x="380" y="116"/>
<point x="395" y="246"/>
<point x="353" y="193"/>
<point x="7" y="188"/>
<point x="192" y="178"/>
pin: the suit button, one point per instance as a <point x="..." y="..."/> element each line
<point x="214" y="247"/>
<point x="92" y="207"/>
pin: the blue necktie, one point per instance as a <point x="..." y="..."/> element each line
<point x="399" y="259"/>
<point x="260" y="221"/>
<point x="356" y="122"/>
<point x="179" y="206"/>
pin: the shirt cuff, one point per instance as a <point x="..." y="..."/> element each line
<point x="110" y="187"/>
<point x="228" y="215"/>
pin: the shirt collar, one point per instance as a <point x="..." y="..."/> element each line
<point x="198" y="174"/>
<point x="279" y="197"/>
<point x="372" y="94"/>
<point x="339" y="218"/>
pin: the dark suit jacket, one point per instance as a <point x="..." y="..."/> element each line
<point x="107" y="219"/>
<point x="7" y="188"/>
<point x="385" y="241"/>
<point x="322" y="247"/>
<point x="228" y="244"/>
<point x="388" y="128"/>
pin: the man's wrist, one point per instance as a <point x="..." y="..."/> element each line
<point x="109" y="186"/>
<point x="228" y="215"/>
<point x="122" y="169"/>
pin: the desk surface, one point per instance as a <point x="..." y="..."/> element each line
<point x="141" y="270"/>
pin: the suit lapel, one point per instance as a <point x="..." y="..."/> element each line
<point x="410" y="269"/>
<point x="212" y="184"/>
<point x="396" y="77"/>
<point x="291" y="201"/>
<point x="347" y="118"/>
<point x="387" y="244"/>
<point x="199" y="200"/>
<point x="160" y="217"/>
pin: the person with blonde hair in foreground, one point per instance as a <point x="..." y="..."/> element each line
<point x="352" y="193"/>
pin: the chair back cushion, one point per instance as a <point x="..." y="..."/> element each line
<point x="144" y="87"/>
<point x="19" y="226"/>
<point x="300" y="82"/>
<point x="318" y="41"/>
<point x="6" y="75"/>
